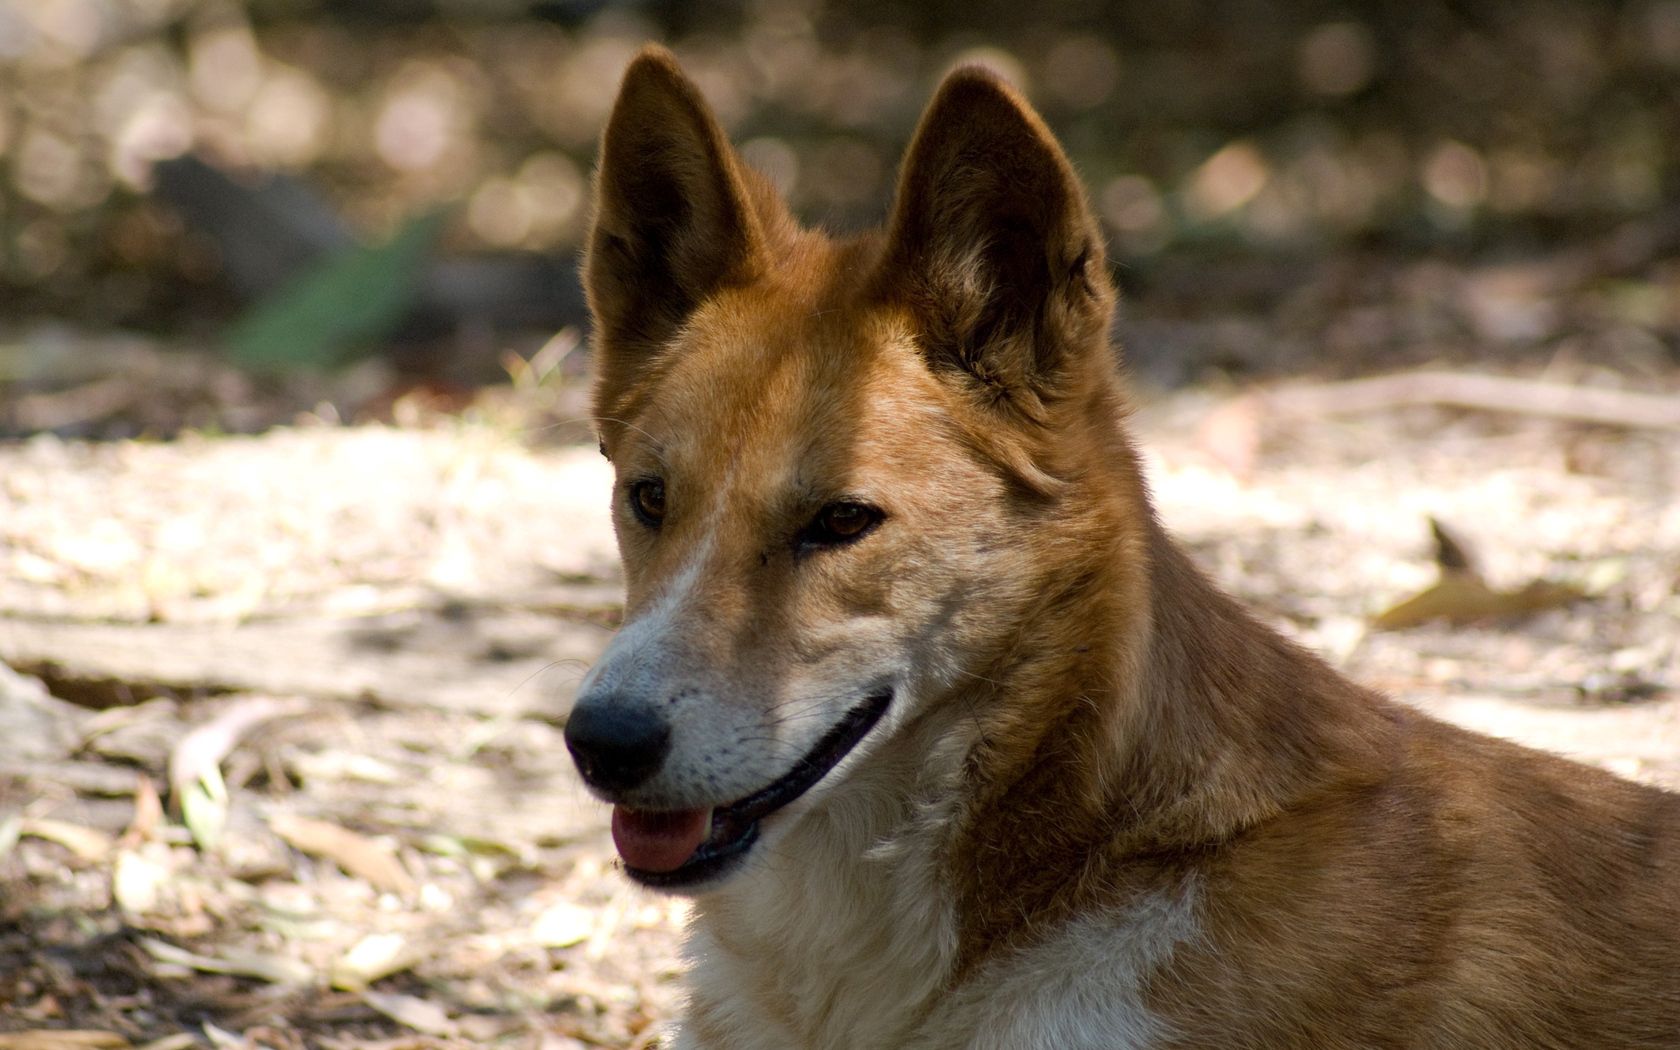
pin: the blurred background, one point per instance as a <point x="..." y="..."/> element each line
<point x="281" y="188"/>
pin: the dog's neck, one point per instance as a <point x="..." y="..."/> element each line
<point x="1181" y="723"/>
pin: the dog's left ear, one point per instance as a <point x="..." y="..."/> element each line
<point x="992" y="247"/>
<point x="675" y="218"/>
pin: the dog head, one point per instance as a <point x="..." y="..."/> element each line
<point x="847" y="471"/>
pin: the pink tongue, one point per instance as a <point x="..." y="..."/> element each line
<point x="659" y="841"/>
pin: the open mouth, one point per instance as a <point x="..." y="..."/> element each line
<point x="668" y="849"/>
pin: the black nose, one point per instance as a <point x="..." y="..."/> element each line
<point x="616" y="743"/>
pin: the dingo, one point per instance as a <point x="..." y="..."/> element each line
<point x="951" y="744"/>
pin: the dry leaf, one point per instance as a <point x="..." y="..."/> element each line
<point x="225" y="1039"/>
<point x="563" y="925"/>
<point x="475" y="846"/>
<point x="272" y="968"/>
<point x="422" y="1015"/>
<point x="1466" y="599"/>
<point x="1461" y="595"/>
<point x="61" y="1039"/>
<point x="204" y="808"/>
<point x="137" y="883"/>
<point x="11" y="829"/>
<point x="375" y="956"/>
<point x="90" y="844"/>
<point x="357" y="854"/>
<point x="148" y="812"/>
<point x="1453" y="553"/>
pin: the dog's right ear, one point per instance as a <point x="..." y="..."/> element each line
<point x="995" y="251"/>
<point x="673" y="219"/>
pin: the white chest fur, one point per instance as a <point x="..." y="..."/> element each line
<point x="837" y="946"/>
<point x="836" y="941"/>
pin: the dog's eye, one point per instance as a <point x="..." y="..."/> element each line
<point x="647" y="501"/>
<point x="841" y="522"/>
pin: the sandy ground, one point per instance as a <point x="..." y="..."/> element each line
<point x="283" y="761"/>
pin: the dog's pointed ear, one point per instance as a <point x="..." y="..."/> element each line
<point x="674" y="220"/>
<point x="993" y="248"/>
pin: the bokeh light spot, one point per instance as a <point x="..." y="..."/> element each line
<point x="48" y="169"/>
<point x="289" y="118"/>
<point x="775" y="160"/>
<point x="497" y="213"/>
<point x="224" y="67"/>
<point x="1454" y="175"/>
<point x="1081" y="71"/>
<point x="1337" y="58"/>
<point x="1226" y="181"/>
<point x="552" y="190"/>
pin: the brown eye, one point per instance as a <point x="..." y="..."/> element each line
<point x="840" y="523"/>
<point x="647" y="501"/>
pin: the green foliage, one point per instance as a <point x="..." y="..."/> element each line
<point x="345" y="302"/>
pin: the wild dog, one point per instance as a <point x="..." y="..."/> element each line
<point x="948" y="740"/>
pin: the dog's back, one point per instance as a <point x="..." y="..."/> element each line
<point x="950" y="742"/>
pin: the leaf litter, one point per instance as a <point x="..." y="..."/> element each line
<point x="391" y="868"/>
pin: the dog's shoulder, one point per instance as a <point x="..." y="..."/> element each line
<point x="1082" y="984"/>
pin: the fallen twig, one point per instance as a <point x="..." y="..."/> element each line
<point x="195" y="777"/>
<point x="1485" y="393"/>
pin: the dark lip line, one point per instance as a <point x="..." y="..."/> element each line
<point x="745" y="813"/>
